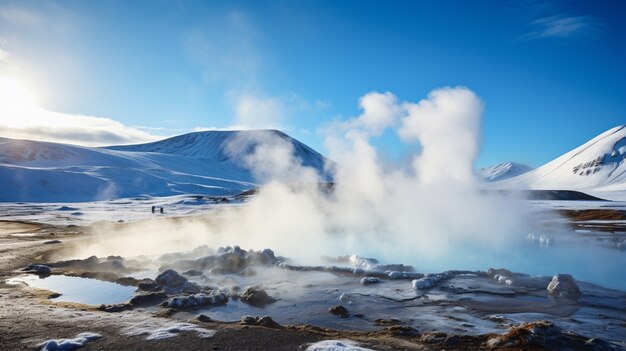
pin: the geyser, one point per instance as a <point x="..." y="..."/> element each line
<point x="424" y="211"/>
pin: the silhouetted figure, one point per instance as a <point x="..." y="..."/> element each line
<point x="161" y="209"/>
<point x="153" y="208"/>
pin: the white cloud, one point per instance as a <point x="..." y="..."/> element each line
<point x="46" y="125"/>
<point x="255" y="110"/>
<point x="562" y="26"/>
<point x="22" y="118"/>
<point x="259" y="112"/>
<point x="19" y="16"/>
<point x="4" y="56"/>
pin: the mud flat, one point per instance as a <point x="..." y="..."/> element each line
<point x="230" y="298"/>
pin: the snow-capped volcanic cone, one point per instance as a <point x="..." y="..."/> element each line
<point x="226" y="146"/>
<point x="502" y="171"/>
<point x="207" y="163"/>
<point x="597" y="165"/>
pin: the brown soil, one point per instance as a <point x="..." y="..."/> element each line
<point x="595" y="214"/>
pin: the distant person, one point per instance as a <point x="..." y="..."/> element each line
<point x="153" y="208"/>
<point x="161" y="209"/>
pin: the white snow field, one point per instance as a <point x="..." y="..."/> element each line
<point x="596" y="167"/>
<point x="206" y="163"/>
<point x="502" y="171"/>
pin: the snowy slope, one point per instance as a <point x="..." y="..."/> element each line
<point x="598" y="165"/>
<point x="195" y="163"/>
<point x="502" y="171"/>
<point x="226" y="146"/>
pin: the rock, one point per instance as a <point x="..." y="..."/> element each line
<point x="204" y="318"/>
<point x="387" y="321"/>
<point x="492" y="272"/>
<point x="173" y="282"/>
<point x="265" y="321"/>
<point x="256" y="297"/>
<point x="40" y="269"/>
<point x="92" y="264"/>
<point x="171" y="279"/>
<point x="148" y="285"/>
<point x="434" y="338"/>
<point x="345" y="297"/>
<point x="193" y="273"/>
<point x="147" y="299"/>
<point x="396" y="275"/>
<point x="563" y="285"/>
<point x="228" y="260"/>
<point x="48" y="242"/>
<point x="339" y="310"/>
<point x="268" y="322"/>
<point x="248" y="320"/>
<point x="116" y="307"/>
<point x="545" y="335"/>
<point x="213" y="298"/>
<point x="369" y="281"/>
<point x="430" y="280"/>
<point x="190" y="288"/>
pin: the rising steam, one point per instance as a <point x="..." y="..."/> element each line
<point x="428" y="211"/>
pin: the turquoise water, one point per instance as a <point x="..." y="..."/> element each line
<point x="79" y="290"/>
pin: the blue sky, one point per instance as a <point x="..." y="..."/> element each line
<point x="552" y="74"/>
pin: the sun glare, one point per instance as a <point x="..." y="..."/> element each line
<point x="15" y="96"/>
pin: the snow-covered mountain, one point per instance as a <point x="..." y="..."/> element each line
<point x="502" y="171"/>
<point x="208" y="163"/>
<point x="227" y="146"/>
<point x="597" y="165"/>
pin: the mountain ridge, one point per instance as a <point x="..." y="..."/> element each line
<point x="599" y="164"/>
<point x="52" y="172"/>
<point x="502" y="171"/>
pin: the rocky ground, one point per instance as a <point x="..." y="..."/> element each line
<point x="28" y="317"/>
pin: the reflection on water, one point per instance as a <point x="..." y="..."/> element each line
<point x="586" y="259"/>
<point x="79" y="290"/>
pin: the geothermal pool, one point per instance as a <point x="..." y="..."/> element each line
<point x="586" y="259"/>
<point x="78" y="290"/>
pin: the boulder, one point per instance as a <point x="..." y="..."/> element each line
<point x="563" y="285"/>
<point x="339" y="310"/>
<point x="492" y="272"/>
<point x="256" y="297"/>
<point x="197" y="300"/>
<point x="42" y="269"/>
<point x="265" y="321"/>
<point x="147" y="299"/>
<point x="430" y="280"/>
<point x="369" y="281"/>
<point x="171" y="279"/>
<point x="204" y="318"/>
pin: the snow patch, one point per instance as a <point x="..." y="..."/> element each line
<point x="166" y="331"/>
<point x="69" y="344"/>
<point x="336" y="345"/>
<point x="502" y="171"/>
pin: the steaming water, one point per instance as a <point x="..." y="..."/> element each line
<point x="79" y="290"/>
<point x="584" y="260"/>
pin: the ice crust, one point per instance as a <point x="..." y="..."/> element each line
<point x="69" y="344"/>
